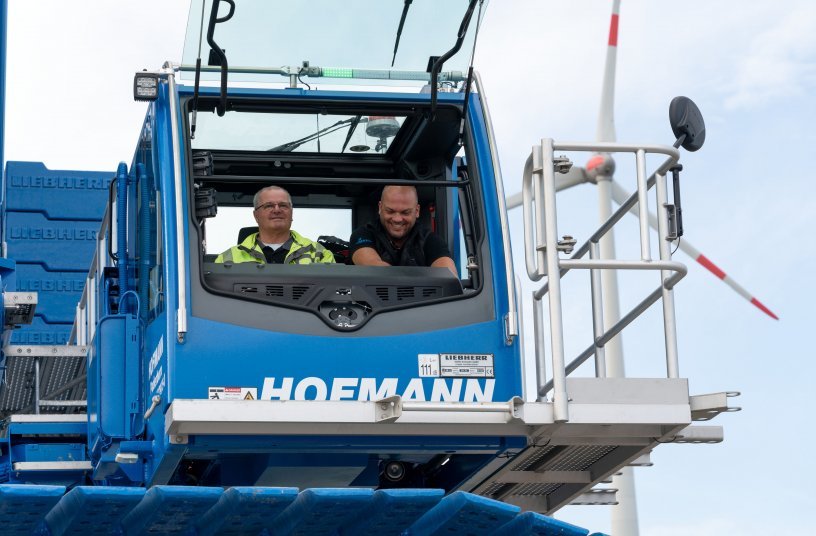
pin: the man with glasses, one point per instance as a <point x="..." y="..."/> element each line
<point x="275" y="242"/>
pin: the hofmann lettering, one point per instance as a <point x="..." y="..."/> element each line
<point x="367" y="389"/>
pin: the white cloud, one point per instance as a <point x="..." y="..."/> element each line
<point x="779" y="61"/>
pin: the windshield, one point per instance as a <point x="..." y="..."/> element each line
<point x="333" y="35"/>
<point x="314" y="133"/>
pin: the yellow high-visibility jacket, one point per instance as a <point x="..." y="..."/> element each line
<point x="302" y="251"/>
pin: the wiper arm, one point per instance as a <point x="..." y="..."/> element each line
<point x="294" y="144"/>
<point x="221" y="107"/>
<point x="353" y="126"/>
<point x="438" y="62"/>
<point x="399" y="29"/>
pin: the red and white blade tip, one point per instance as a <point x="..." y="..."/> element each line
<point x="613" y="30"/>
<point x="714" y="269"/>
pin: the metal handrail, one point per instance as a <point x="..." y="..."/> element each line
<point x="542" y="258"/>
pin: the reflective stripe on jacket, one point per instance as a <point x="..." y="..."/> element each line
<point x="302" y="251"/>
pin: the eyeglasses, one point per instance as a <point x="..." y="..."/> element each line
<point x="267" y="207"/>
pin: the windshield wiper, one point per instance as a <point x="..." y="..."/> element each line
<point x="294" y="144"/>
<point x="352" y="128"/>
<point x="217" y="52"/>
<point x="399" y="29"/>
<point x="435" y="65"/>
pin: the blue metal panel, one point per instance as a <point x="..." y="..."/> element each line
<point x="3" y="27"/>
<point x="86" y="511"/>
<point x="256" y="358"/>
<point x="58" y="194"/>
<point x="49" y="428"/>
<point x="533" y="524"/>
<point x="391" y="511"/>
<point x="60" y="246"/>
<point x="47" y="452"/>
<point x="23" y="507"/>
<point x="169" y="510"/>
<point x="463" y="513"/>
<point x="492" y="217"/>
<point x="245" y="510"/>
<point x="50" y="224"/>
<point x="41" y="332"/>
<point x="107" y="372"/>
<point x="113" y="378"/>
<point x="60" y="291"/>
<point x="320" y="511"/>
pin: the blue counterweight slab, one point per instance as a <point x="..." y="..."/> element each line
<point x="464" y="514"/>
<point x="201" y="511"/>
<point x="22" y="507"/>
<point x="58" y="292"/>
<point x="52" y="218"/>
<point x="321" y="511"/>
<point x="533" y="524"/>
<point x="245" y="510"/>
<point x="86" y="511"/>
<point x="392" y="511"/>
<point x="170" y="510"/>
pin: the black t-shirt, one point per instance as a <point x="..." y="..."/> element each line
<point x="420" y="248"/>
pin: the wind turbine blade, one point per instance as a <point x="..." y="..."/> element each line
<point x="575" y="176"/>
<point x="620" y="196"/>
<point x="606" y="116"/>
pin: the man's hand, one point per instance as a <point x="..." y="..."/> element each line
<point x="367" y="257"/>
<point x="445" y="262"/>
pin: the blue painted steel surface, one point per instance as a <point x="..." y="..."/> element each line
<point x="204" y="511"/>
<point x="319" y="511"/>
<point x="113" y="373"/>
<point x="87" y="511"/>
<point x="392" y="511"/>
<point x="170" y="509"/>
<point x="50" y="223"/>
<point x="22" y="507"/>
<point x="3" y="28"/>
<point x="534" y="524"/>
<point x="464" y="513"/>
<point x="245" y="510"/>
<point x="257" y="357"/>
<point x="58" y="428"/>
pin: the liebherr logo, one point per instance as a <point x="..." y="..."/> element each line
<point x="366" y="389"/>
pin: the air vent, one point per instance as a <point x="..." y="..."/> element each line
<point x="429" y="292"/>
<point x="248" y="289"/>
<point x="382" y="293"/>
<point x="274" y="291"/>
<point x="404" y="293"/>
<point x="299" y="291"/>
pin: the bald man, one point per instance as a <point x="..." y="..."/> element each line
<point x="394" y="239"/>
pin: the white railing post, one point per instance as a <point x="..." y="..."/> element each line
<point x="669" y="321"/>
<point x="546" y="182"/>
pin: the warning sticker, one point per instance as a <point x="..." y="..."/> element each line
<point x="466" y="366"/>
<point x="233" y="393"/>
<point x="456" y="365"/>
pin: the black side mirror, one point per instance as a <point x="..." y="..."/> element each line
<point x="687" y="123"/>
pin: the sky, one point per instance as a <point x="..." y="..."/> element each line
<point x="747" y="199"/>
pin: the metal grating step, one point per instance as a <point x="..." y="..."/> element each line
<point x="545" y="478"/>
